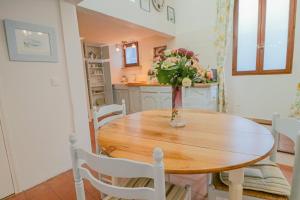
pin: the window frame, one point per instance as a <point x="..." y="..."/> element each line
<point x="261" y="41"/>
<point x="137" y="54"/>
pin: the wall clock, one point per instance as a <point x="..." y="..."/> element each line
<point x="158" y="4"/>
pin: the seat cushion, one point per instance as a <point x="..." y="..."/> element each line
<point x="173" y="192"/>
<point x="262" y="180"/>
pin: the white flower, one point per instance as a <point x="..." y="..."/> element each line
<point x="155" y="65"/>
<point x="166" y="65"/>
<point x="186" y="82"/>
<point x="168" y="52"/>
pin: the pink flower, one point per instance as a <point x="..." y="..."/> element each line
<point x="189" y="54"/>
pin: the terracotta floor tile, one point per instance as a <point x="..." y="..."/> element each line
<point x="62" y="186"/>
<point x="41" y="191"/>
<point x="20" y="196"/>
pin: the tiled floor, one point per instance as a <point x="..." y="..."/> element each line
<point x="62" y="187"/>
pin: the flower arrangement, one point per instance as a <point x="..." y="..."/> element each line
<point x="180" y="68"/>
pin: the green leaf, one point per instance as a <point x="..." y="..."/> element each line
<point x="163" y="76"/>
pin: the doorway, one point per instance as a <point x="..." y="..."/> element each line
<point x="6" y="182"/>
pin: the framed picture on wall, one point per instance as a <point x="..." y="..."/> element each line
<point x="30" y="42"/>
<point x="158" y="51"/>
<point x="171" y="14"/>
<point x="145" y="5"/>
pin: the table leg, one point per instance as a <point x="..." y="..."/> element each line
<point x="236" y="179"/>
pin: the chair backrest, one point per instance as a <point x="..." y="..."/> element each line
<point x="108" y="113"/>
<point x="289" y="127"/>
<point x="117" y="168"/>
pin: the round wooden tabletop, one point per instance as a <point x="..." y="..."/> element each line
<point x="210" y="142"/>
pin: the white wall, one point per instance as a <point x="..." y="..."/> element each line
<point x="195" y="23"/>
<point x="249" y="96"/>
<point x="129" y="10"/>
<point x="38" y="117"/>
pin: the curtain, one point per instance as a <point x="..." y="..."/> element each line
<point x="223" y="31"/>
<point x="295" y="109"/>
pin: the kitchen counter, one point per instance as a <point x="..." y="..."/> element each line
<point x="142" y="96"/>
<point x="139" y="84"/>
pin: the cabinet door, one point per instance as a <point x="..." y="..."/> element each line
<point x="201" y="98"/>
<point x="150" y="101"/>
<point x="135" y="100"/>
<point x="6" y="184"/>
<point x="195" y="98"/>
<point x="165" y="100"/>
<point x="122" y="94"/>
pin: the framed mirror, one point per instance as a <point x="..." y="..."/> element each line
<point x="131" y="54"/>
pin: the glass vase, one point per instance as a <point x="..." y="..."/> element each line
<point x="176" y="119"/>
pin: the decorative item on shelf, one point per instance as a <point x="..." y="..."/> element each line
<point x="92" y="55"/>
<point x="158" y="5"/>
<point x="151" y="76"/>
<point x="179" y="68"/>
<point x="295" y="109"/>
<point x="124" y="79"/>
<point x="171" y="14"/>
<point x="145" y="5"/>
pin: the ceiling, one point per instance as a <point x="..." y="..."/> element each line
<point x="100" y="28"/>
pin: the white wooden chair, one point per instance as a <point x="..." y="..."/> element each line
<point x="152" y="187"/>
<point x="107" y="114"/>
<point x="289" y="127"/>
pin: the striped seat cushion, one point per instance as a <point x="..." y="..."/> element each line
<point x="173" y="192"/>
<point x="264" y="178"/>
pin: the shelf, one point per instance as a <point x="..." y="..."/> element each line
<point x="100" y="93"/>
<point x="96" y="86"/>
<point x="98" y="61"/>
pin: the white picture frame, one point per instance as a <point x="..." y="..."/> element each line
<point x="145" y="5"/>
<point x="30" y="42"/>
<point x="171" y="14"/>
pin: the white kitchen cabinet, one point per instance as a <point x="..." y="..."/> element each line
<point x="201" y="98"/>
<point x="156" y="97"/>
<point x="122" y="93"/>
<point x="165" y="100"/>
<point x="150" y="101"/>
<point x="140" y="98"/>
<point x="134" y="100"/>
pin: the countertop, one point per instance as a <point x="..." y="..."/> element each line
<point x="139" y="84"/>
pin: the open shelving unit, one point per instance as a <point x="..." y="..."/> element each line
<point x="97" y="65"/>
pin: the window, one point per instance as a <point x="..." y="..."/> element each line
<point x="131" y="54"/>
<point x="263" y="39"/>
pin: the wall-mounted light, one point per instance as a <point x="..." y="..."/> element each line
<point x="118" y="47"/>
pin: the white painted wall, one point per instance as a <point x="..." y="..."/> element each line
<point x="249" y="96"/>
<point x="195" y="21"/>
<point x="129" y="10"/>
<point x="38" y="117"/>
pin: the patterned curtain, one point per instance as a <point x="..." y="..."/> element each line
<point x="295" y="109"/>
<point x="223" y="38"/>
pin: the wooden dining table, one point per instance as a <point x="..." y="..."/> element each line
<point x="210" y="142"/>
